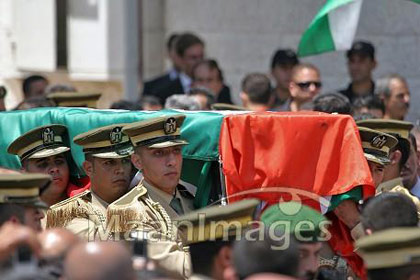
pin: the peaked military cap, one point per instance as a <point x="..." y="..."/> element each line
<point x="105" y="142"/>
<point x="217" y="222"/>
<point x="227" y="107"/>
<point x="75" y="99"/>
<point x="390" y="248"/>
<point x="398" y="129"/>
<point x="40" y="142"/>
<point x="377" y="145"/>
<point x="160" y="132"/>
<point x="301" y="221"/>
<point x="23" y="188"/>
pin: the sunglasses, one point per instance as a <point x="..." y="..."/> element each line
<point x="306" y="85"/>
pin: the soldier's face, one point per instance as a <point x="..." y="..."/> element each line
<point x="56" y="166"/>
<point x="309" y="259"/>
<point x="33" y="217"/>
<point x="160" y="167"/>
<point x="377" y="172"/>
<point x="110" y="177"/>
<point x="360" y="67"/>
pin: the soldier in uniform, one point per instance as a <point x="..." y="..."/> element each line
<point x="391" y="254"/>
<point x="151" y="205"/>
<point x="398" y="155"/>
<point x="377" y="147"/>
<point x="45" y="149"/>
<point x="210" y="234"/>
<point x="107" y="162"/>
<point x="157" y="154"/>
<point x="19" y="198"/>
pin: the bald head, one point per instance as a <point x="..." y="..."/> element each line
<point x="56" y="242"/>
<point x="98" y="261"/>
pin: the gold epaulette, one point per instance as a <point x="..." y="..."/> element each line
<point x="61" y="213"/>
<point x="123" y="214"/>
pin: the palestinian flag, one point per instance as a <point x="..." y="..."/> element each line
<point x="333" y="28"/>
<point x="315" y="158"/>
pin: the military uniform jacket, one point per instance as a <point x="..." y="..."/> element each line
<point x="164" y="199"/>
<point x="83" y="214"/>
<point x="136" y="211"/>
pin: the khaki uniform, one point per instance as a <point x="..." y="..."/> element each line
<point x="396" y="185"/>
<point x="83" y="214"/>
<point x="136" y="211"/>
<point x="165" y="199"/>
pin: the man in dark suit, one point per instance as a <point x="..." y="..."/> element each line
<point x="188" y="51"/>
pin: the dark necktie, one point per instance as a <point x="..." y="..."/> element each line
<point x="176" y="205"/>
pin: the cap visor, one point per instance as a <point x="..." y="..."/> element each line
<point x="49" y="152"/>
<point x="377" y="159"/>
<point x="113" y="155"/>
<point x="37" y="204"/>
<point x="167" y="144"/>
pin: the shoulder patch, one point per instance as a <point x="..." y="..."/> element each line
<point x="70" y="199"/>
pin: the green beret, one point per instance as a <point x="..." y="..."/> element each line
<point x="303" y="222"/>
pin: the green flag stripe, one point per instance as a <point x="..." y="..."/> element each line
<point x="318" y="38"/>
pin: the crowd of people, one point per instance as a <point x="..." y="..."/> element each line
<point x="132" y="218"/>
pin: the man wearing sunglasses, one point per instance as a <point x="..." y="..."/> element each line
<point x="305" y="84"/>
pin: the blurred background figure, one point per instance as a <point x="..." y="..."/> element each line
<point x="208" y="74"/>
<point x="394" y="92"/>
<point x="98" y="261"/>
<point x="55" y="244"/>
<point x="256" y="94"/>
<point x="150" y="103"/>
<point x="183" y="102"/>
<point x="409" y="172"/>
<point x="371" y="104"/>
<point x="34" y="86"/>
<point x="333" y="102"/>
<point x="361" y="63"/>
<point x="3" y="92"/>
<point x="203" y="96"/>
<point x="282" y="64"/>
<point x="388" y="210"/>
<point x="59" y="88"/>
<point x="304" y="86"/>
<point x="256" y="254"/>
<point x="189" y="51"/>
<point x="172" y="74"/>
<point x="126" y="105"/>
<point x="34" y="102"/>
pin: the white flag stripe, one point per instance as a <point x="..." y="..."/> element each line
<point x="343" y="24"/>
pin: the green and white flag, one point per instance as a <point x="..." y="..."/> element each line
<point x="333" y="28"/>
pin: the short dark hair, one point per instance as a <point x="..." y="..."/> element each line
<point x="333" y="102"/>
<point x="212" y="65"/>
<point x="284" y="56"/>
<point x="394" y="273"/>
<point x="254" y="255"/>
<point x="258" y="88"/>
<point x="370" y="102"/>
<point x="203" y="253"/>
<point x="8" y="210"/>
<point x="150" y="100"/>
<point x="203" y="91"/>
<point x="185" y="41"/>
<point x="126" y="105"/>
<point x="29" y="80"/>
<point x="389" y="210"/>
<point x="170" y="44"/>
